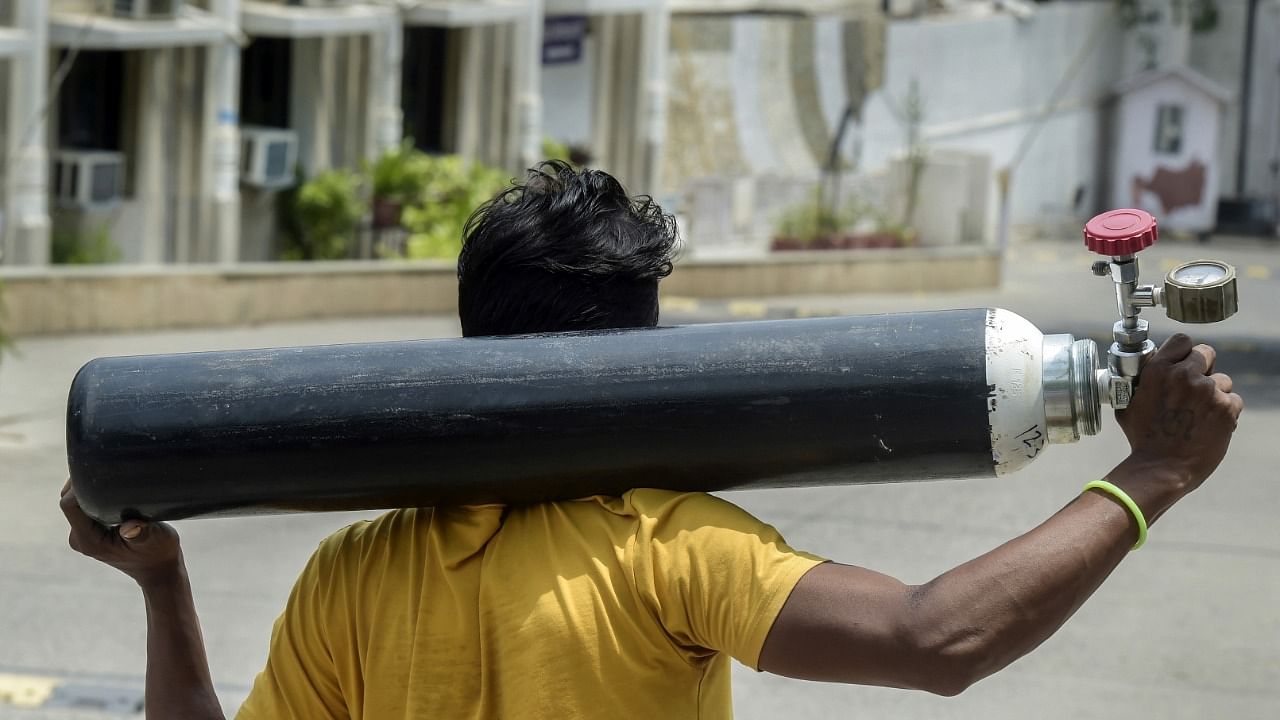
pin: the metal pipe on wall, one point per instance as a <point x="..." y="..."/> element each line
<point x="1246" y="99"/>
<point x="153" y="159"/>
<point x="657" y="34"/>
<point x="528" y="84"/>
<point x="386" y="66"/>
<point x="222" y="138"/>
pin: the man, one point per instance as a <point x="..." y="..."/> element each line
<point x="631" y="606"/>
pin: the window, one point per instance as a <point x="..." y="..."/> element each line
<point x="90" y="104"/>
<point x="265" y="70"/>
<point x="424" y="88"/>
<point x="1169" y="129"/>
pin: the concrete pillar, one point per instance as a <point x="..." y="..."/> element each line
<point x="602" y="89"/>
<point x="500" y="142"/>
<point x="387" y="59"/>
<point x="657" y="40"/>
<point x="187" y="181"/>
<point x="311" y="102"/>
<point x="322" y="131"/>
<point x="152" y="180"/>
<point x="221" y="161"/>
<point x="26" y="231"/>
<point x="625" y="118"/>
<point x="528" y="86"/>
<point x="467" y="142"/>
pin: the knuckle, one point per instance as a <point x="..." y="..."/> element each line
<point x="1191" y="373"/>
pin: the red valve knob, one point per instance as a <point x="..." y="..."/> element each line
<point x="1120" y="232"/>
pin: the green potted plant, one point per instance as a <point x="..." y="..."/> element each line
<point x="577" y="156"/>
<point x="812" y="225"/>
<point x="397" y="177"/>
<point x="328" y="209"/>
<point x="815" y="225"/>
<point x="454" y="189"/>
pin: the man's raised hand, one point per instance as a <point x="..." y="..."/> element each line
<point x="1183" y="413"/>
<point x="148" y="552"/>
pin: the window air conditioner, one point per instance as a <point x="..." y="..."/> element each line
<point x="88" y="179"/>
<point x="268" y="157"/>
<point x="144" y="9"/>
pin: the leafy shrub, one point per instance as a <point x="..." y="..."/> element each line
<point x="72" y="247"/>
<point x="554" y="150"/>
<point x="576" y="155"/>
<point x="454" y="188"/>
<point x="399" y="175"/>
<point x="433" y="196"/>
<point x="328" y="209"/>
<point x="813" y="218"/>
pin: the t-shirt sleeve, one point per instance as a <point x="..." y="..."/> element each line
<point x="300" y="679"/>
<point x="716" y="576"/>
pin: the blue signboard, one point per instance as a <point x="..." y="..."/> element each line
<point x="562" y="38"/>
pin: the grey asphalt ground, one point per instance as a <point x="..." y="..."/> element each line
<point x="1189" y="627"/>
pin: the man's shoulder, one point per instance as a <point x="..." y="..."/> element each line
<point x="674" y="499"/>
<point x="641" y="502"/>
<point x="362" y="533"/>
<point x="691" y="509"/>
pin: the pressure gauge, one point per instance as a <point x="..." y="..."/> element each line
<point x="1203" y="291"/>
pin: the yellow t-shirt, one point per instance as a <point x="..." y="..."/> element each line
<point x="597" y="608"/>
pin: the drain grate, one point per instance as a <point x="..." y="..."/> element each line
<point x="99" y="697"/>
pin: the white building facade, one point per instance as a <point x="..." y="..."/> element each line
<point x="172" y="126"/>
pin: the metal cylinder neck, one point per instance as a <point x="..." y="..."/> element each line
<point x="1072" y="406"/>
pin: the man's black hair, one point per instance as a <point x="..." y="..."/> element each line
<point x="566" y="250"/>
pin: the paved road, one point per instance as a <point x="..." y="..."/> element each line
<point x="1187" y="628"/>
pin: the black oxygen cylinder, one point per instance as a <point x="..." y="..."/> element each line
<point x="522" y="419"/>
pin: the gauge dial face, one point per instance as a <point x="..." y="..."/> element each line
<point x="1199" y="274"/>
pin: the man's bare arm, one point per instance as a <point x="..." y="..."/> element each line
<point x="850" y="624"/>
<point x="178" y="680"/>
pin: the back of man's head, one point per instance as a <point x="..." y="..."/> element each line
<point x="567" y="250"/>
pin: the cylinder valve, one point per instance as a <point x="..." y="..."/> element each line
<point x="1203" y="291"/>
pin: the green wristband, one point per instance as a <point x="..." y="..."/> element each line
<point x="1128" y="502"/>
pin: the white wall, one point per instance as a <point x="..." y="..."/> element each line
<point x="1219" y="55"/>
<point x="983" y="83"/>
<point x="1264" y="114"/>
<point x="566" y="98"/>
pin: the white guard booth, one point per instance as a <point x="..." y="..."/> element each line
<point x="1166" y="147"/>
